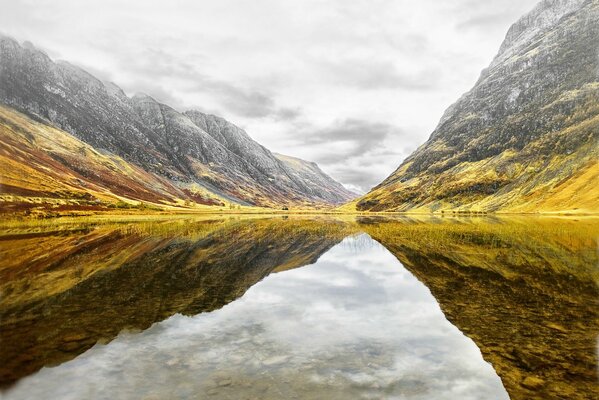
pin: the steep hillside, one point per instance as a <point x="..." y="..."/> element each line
<point x="525" y="138"/>
<point x="42" y="166"/>
<point x="149" y="134"/>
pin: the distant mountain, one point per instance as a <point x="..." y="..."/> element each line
<point x="303" y="175"/>
<point x="313" y="178"/>
<point x="194" y="152"/>
<point x="526" y="137"/>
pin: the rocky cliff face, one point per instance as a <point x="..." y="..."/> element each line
<point x="525" y="138"/>
<point x="189" y="149"/>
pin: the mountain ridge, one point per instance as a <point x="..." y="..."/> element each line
<point x="153" y="135"/>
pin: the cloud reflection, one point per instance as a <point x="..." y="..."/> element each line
<point x="355" y="324"/>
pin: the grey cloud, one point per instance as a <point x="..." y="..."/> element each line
<point x="153" y="64"/>
<point x="485" y="16"/>
<point x="364" y="179"/>
<point x="351" y="129"/>
<point x="367" y="74"/>
<point x="485" y="21"/>
<point x="288" y="114"/>
<point x="246" y="103"/>
<point x="365" y="150"/>
<point x="251" y="104"/>
<point x="410" y="44"/>
<point x="363" y="136"/>
<point x="369" y="169"/>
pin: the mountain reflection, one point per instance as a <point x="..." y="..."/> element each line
<point x="524" y="290"/>
<point x="76" y="287"/>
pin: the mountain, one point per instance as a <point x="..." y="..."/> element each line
<point x="315" y="180"/>
<point x="301" y="174"/>
<point x="194" y="152"/>
<point x="525" y="137"/>
<point x="45" y="166"/>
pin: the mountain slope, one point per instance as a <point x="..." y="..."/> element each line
<point x="314" y="179"/>
<point x="525" y="138"/>
<point x="308" y="178"/>
<point x="45" y="167"/>
<point x="149" y="134"/>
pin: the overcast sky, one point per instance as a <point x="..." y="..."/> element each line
<point x="354" y="85"/>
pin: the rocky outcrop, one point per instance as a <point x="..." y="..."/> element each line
<point x="525" y="137"/>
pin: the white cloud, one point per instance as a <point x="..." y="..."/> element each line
<point x="272" y="66"/>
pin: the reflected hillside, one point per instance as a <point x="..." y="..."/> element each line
<point x="525" y="290"/>
<point x="66" y="288"/>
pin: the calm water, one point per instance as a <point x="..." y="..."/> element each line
<point x="300" y="308"/>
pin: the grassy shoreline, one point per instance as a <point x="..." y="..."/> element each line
<point x="132" y="216"/>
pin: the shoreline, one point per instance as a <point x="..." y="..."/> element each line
<point x="134" y="215"/>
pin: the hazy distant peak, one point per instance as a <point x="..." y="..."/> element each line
<point x="295" y="159"/>
<point x="11" y="44"/>
<point x="76" y="71"/>
<point x="114" y="90"/>
<point x="143" y="97"/>
<point x="6" y="40"/>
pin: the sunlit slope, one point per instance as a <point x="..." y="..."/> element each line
<point x="41" y="165"/>
<point x="524" y="290"/>
<point x="525" y="138"/>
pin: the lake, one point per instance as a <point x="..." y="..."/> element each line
<point x="300" y="307"/>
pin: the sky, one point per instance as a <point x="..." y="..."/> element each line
<point x="354" y="86"/>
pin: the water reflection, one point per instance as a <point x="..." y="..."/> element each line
<point x="355" y="324"/>
<point x="63" y="291"/>
<point x="525" y="290"/>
